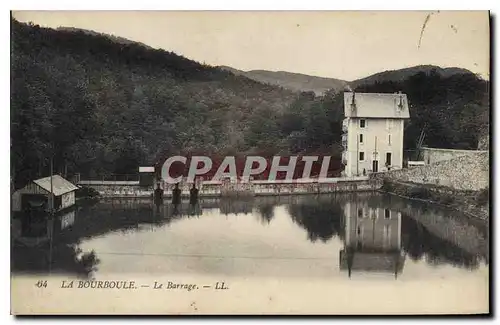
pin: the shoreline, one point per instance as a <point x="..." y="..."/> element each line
<point x="458" y="201"/>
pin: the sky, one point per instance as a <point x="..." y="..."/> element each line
<point x="338" y="44"/>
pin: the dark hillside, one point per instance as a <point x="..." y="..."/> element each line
<point x="105" y="106"/>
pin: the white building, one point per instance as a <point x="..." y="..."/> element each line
<point x="373" y="131"/>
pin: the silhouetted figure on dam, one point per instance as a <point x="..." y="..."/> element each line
<point x="158" y="195"/>
<point x="193" y="200"/>
<point x="176" y="195"/>
<point x="175" y="210"/>
<point x="193" y="194"/>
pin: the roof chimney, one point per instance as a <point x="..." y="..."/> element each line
<point x="400" y="105"/>
<point x="353" y="102"/>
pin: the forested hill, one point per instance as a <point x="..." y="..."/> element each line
<point x="292" y="81"/>
<point x="104" y="105"/>
<point x="401" y="75"/>
<point x="319" y="85"/>
<point x="453" y="110"/>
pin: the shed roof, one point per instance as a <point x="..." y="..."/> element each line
<point x="376" y="105"/>
<point x="60" y="185"/>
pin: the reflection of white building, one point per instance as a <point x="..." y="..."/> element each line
<point x="35" y="231"/>
<point x="67" y="219"/>
<point x="31" y="232"/>
<point x="372" y="239"/>
<point x="373" y="131"/>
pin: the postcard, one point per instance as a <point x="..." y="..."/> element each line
<point x="250" y="162"/>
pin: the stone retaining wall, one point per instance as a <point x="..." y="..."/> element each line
<point x="433" y="155"/>
<point x="469" y="173"/>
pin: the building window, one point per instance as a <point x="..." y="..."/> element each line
<point x="360" y="212"/>
<point x="390" y="123"/>
<point x="388" y="159"/>
<point x="389" y="139"/>
<point x="359" y="231"/>
<point x="361" y="156"/>
<point x="362" y="124"/>
<point x="387" y="213"/>
<point x="361" y="138"/>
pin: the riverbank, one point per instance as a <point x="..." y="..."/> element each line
<point x="475" y="204"/>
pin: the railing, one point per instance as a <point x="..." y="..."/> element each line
<point x="98" y="182"/>
<point x="107" y="178"/>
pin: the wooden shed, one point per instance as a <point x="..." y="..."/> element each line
<point x="36" y="194"/>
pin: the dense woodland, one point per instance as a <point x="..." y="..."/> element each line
<point x="453" y="111"/>
<point x="100" y="107"/>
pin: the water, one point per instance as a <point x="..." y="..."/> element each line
<point x="341" y="237"/>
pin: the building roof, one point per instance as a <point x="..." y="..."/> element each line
<point x="376" y="105"/>
<point x="60" y="186"/>
<point x="372" y="262"/>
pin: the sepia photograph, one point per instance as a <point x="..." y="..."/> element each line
<point x="250" y="162"/>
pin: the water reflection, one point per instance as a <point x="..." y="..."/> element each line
<point x="373" y="239"/>
<point x="266" y="212"/>
<point x="39" y="246"/>
<point x="368" y="232"/>
<point x="418" y="242"/>
<point x="321" y="218"/>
